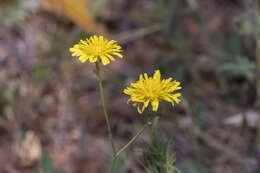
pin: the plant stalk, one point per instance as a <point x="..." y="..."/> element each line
<point x="105" y="110"/>
<point x="129" y="143"/>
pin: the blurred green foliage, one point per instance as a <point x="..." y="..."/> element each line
<point x="122" y="166"/>
<point x="40" y="72"/>
<point x="240" y="67"/>
<point x="2" y="105"/>
<point x="248" y="22"/>
<point x="162" y="10"/>
<point x="17" y="11"/>
<point x="21" y="135"/>
<point x="237" y="66"/>
<point x="233" y="45"/>
<point x="11" y="94"/>
<point x="197" y="111"/>
<point x="189" y="166"/>
<point x="47" y="164"/>
<point x="158" y="156"/>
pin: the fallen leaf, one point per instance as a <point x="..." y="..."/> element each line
<point x="75" y="10"/>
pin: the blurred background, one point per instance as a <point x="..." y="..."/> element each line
<point x="51" y="118"/>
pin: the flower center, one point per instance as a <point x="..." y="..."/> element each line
<point x="151" y="92"/>
<point x="98" y="50"/>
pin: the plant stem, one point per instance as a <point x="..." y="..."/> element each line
<point x="105" y="110"/>
<point x="135" y="137"/>
<point x="112" y="164"/>
<point x="129" y="143"/>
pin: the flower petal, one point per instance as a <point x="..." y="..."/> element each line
<point x="104" y="60"/>
<point x="145" y="105"/>
<point x="139" y="110"/>
<point x="118" y="54"/>
<point x="157" y="75"/>
<point x="155" y="105"/>
<point x="83" y="59"/>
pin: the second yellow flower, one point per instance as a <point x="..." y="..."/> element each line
<point x="152" y="90"/>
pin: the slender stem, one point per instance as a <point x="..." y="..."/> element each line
<point x="134" y="138"/>
<point x="112" y="164"/>
<point x="129" y="143"/>
<point x="105" y="110"/>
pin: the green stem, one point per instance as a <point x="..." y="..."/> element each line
<point x="105" y="110"/>
<point x="129" y="143"/>
<point x="112" y="164"/>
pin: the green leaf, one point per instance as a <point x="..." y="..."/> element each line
<point x="159" y="157"/>
<point x="240" y="67"/>
<point x="47" y="163"/>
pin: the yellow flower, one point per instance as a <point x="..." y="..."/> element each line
<point x="153" y="89"/>
<point x="96" y="48"/>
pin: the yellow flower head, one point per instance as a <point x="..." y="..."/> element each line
<point x="96" y="48"/>
<point x="153" y="89"/>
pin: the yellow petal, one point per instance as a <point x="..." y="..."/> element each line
<point x="175" y="97"/>
<point x="155" y="105"/>
<point x="126" y="91"/>
<point x="118" y="54"/>
<point x="128" y="101"/>
<point x="145" y="105"/>
<point x="101" y="39"/>
<point x="104" y="60"/>
<point x="110" y="57"/>
<point x="83" y="59"/>
<point x="138" y="109"/>
<point x="145" y="76"/>
<point x="93" y="59"/>
<point x="141" y="78"/>
<point x="157" y="75"/>
<point x="95" y="38"/>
